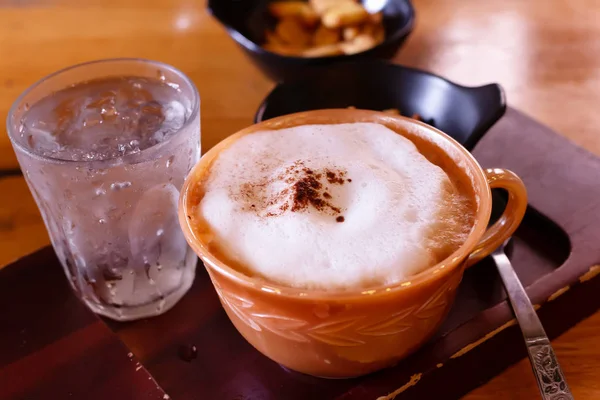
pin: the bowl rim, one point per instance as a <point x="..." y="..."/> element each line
<point x="375" y="64"/>
<point x="442" y="270"/>
<point x="254" y="47"/>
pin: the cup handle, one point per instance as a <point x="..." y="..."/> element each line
<point x="510" y="219"/>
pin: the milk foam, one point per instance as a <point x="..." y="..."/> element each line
<point x="377" y="211"/>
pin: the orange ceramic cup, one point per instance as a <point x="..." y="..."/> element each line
<point x="346" y="334"/>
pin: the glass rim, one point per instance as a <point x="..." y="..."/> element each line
<point x="135" y="158"/>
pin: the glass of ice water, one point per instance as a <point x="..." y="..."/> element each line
<point x="105" y="147"/>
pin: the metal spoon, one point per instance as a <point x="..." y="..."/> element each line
<point x="550" y="377"/>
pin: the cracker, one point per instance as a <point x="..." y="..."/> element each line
<point x="350" y="32"/>
<point x="375" y="30"/>
<point x="292" y="32"/>
<point x="359" y="44"/>
<point x="294" y="9"/>
<point x="325" y="36"/>
<point x="321" y="6"/>
<point x="273" y="38"/>
<point x="320" y="28"/>
<point x="323" y="51"/>
<point x="344" y="14"/>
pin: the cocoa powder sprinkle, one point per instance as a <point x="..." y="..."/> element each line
<point x="335" y="177"/>
<point x="302" y="189"/>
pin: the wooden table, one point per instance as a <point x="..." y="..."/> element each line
<point x="545" y="54"/>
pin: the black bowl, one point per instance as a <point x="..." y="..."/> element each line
<point x="464" y="113"/>
<point x="247" y="20"/>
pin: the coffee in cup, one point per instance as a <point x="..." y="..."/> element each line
<point x="331" y="207"/>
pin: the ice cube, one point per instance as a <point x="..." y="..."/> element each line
<point x="174" y="118"/>
<point x="41" y="139"/>
<point x="151" y="118"/>
<point x="105" y="118"/>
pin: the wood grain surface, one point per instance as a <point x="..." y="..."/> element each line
<point x="545" y="54"/>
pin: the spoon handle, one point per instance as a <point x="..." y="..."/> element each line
<point x="549" y="376"/>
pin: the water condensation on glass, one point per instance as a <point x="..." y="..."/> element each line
<point x="114" y="225"/>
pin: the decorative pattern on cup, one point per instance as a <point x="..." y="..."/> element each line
<point x="343" y="330"/>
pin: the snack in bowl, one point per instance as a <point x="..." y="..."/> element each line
<point x="336" y="262"/>
<point x="394" y="111"/>
<point x="321" y="28"/>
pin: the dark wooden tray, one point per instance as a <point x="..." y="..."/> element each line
<point x="53" y="347"/>
<point x="553" y="250"/>
<point x="554" y="253"/>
